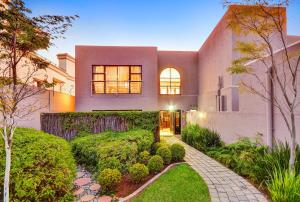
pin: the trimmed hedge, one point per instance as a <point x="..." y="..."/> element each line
<point x="138" y="172"/>
<point x="165" y="154"/>
<point x="200" y="138"/>
<point x="68" y="125"/>
<point x="155" y="164"/>
<point x="43" y="168"/>
<point x="125" y="146"/>
<point x="178" y="152"/>
<point x="109" y="178"/>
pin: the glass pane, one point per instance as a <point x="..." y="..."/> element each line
<point x="165" y="83"/>
<point x="163" y="90"/>
<point x="174" y="73"/>
<point x="98" y="69"/>
<point x="136" y="87"/>
<point x="111" y="73"/>
<point x="177" y="84"/>
<point x="123" y="73"/>
<point x="174" y="90"/>
<point x="111" y="87"/>
<point x="98" y="87"/>
<point x="98" y="77"/>
<point x="136" y="77"/>
<point x="123" y="87"/>
<point x="136" y="69"/>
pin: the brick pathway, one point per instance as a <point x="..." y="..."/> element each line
<point x="223" y="184"/>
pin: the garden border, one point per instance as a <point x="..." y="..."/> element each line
<point x="144" y="186"/>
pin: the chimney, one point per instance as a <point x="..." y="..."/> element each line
<point x="67" y="63"/>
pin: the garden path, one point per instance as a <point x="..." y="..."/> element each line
<point x="223" y="184"/>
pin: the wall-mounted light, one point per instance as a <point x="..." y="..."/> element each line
<point x="171" y="107"/>
<point x="202" y="115"/>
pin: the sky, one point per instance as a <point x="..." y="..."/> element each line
<point x="166" y="24"/>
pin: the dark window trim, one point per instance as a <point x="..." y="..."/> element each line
<point x="129" y="79"/>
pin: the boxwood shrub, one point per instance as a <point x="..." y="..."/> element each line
<point x="124" y="146"/>
<point x="165" y="154"/>
<point x="178" y="152"/>
<point x="43" y="168"/>
<point x="138" y="172"/>
<point x="155" y="164"/>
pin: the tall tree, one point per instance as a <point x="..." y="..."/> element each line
<point x="21" y="35"/>
<point x="261" y="24"/>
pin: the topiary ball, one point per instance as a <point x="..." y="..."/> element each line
<point x="165" y="153"/>
<point x="109" y="178"/>
<point x="178" y="152"/>
<point x="138" y="172"/>
<point x="144" y="157"/>
<point x="157" y="145"/>
<point x="155" y="164"/>
<point x="110" y="162"/>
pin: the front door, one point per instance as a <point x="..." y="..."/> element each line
<point x="170" y="122"/>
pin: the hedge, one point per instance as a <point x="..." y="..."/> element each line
<point x="125" y="146"/>
<point x="43" y="168"/>
<point x="68" y="125"/>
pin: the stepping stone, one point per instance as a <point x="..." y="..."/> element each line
<point x="87" y="198"/>
<point x="78" y="192"/>
<point x="79" y="174"/>
<point x="95" y="187"/>
<point x="82" y="181"/>
<point x="105" y="199"/>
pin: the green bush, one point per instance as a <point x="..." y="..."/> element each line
<point x="125" y="146"/>
<point x="202" y="139"/>
<point x="178" y="152"/>
<point x="138" y="172"/>
<point x="165" y="154"/>
<point x="144" y="157"/>
<point x="109" y="179"/>
<point x="157" y="145"/>
<point x="155" y="164"/>
<point x="43" y="168"/>
<point x="284" y="186"/>
<point x="110" y="162"/>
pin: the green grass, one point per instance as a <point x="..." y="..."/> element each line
<point x="180" y="183"/>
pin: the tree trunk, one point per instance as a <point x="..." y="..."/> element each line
<point x="293" y="144"/>
<point x="7" y="171"/>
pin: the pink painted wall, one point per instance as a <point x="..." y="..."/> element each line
<point x="186" y="63"/>
<point x="86" y="56"/>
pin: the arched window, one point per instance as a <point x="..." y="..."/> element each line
<point x="169" y="82"/>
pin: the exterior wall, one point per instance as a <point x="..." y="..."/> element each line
<point x="185" y="62"/>
<point x="48" y="101"/>
<point x="86" y="56"/>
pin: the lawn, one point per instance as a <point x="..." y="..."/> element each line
<point x="180" y="183"/>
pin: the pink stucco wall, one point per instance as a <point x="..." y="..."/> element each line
<point x="86" y="56"/>
<point x="186" y="63"/>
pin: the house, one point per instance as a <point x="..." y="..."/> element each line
<point x="183" y="85"/>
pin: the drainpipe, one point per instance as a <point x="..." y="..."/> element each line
<point x="270" y="108"/>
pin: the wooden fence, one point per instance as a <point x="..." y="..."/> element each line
<point x="68" y="125"/>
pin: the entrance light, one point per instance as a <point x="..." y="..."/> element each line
<point x="171" y="107"/>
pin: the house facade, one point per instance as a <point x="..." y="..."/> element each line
<point x="192" y="86"/>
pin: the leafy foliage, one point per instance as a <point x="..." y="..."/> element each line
<point x="178" y="152"/>
<point x="43" y="167"/>
<point x="165" y="154"/>
<point x="109" y="178"/>
<point x="144" y="157"/>
<point x="138" y="172"/>
<point x="110" y="162"/>
<point x="202" y="139"/>
<point x="125" y="146"/>
<point x="155" y="164"/>
<point x="157" y="145"/>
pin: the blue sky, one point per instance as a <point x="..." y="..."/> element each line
<point x="167" y="24"/>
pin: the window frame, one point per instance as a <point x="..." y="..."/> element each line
<point x="117" y="81"/>
<point x="170" y="81"/>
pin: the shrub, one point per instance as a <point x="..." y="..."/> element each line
<point x="144" y="157"/>
<point x="157" y="145"/>
<point x="109" y="178"/>
<point x="178" y="152"/>
<point x="284" y="186"/>
<point x="202" y="139"/>
<point x="110" y="162"/>
<point x="155" y="164"/>
<point x="125" y="146"/>
<point x="43" y="168"/>
<point x="165" y="154"/>
<point x="138" y="172"/>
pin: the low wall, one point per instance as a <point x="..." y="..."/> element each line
<point x="68" y="125"/>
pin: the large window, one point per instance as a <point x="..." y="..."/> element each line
<point x="170" y="82"/>
<point x="117" y="79"/>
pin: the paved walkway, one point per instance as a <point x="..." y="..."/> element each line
<point x="224" y="185"/>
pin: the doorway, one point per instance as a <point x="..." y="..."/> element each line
<point x="170" y="122"/>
